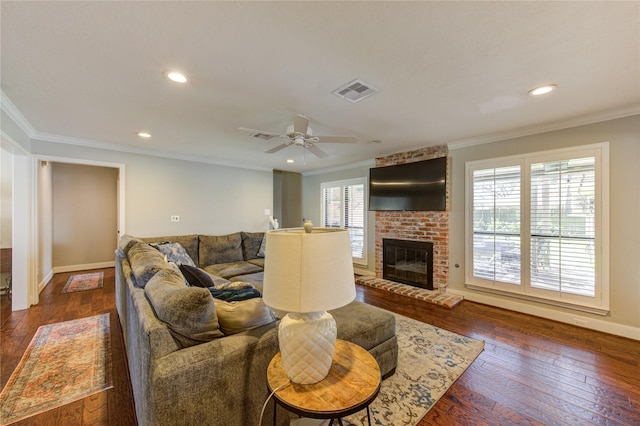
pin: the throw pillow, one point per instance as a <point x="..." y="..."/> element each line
<point x="175" y="253"/>
<point x="235" y="317"/>
<point x="263" y="245"/>
<point x="190" y="312"/>
<point x="196" y="277"/>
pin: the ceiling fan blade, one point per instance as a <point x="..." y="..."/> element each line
<point x="316" y="151"/>
<point x="337" y="139"/>
<point x="258" y="133"/>
<point x="300" y="124"/>
<point x="278" y="148"/>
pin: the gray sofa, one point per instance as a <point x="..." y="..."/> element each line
<point x="184" y="369"/>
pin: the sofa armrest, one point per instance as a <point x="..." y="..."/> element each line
<point x="218" y="382"/>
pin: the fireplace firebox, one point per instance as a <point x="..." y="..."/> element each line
<point x="408" y="262"/>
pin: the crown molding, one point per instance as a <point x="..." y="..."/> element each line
<point x="558" y="125"/>
<point x="48" y="137"/>
<point x="14" y="113"/>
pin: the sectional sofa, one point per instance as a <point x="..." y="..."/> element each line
<point x="198" y="360"/>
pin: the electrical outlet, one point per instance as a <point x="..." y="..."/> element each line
<point x="175" y="218"/>
<point x="267" y="212"/>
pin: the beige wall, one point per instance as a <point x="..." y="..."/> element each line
<point x="624" y="138"/>
<point x="210" y="199"/>
<point x="84" y="212"/>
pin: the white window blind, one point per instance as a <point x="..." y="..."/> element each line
<point x="538" y="226"/>
<point x="343" y="206"/>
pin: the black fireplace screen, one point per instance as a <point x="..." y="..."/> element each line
<point x="408" y="262"/>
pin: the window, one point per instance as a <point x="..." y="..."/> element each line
<point x="343" y="206"/>
<point x="537" y="226"/>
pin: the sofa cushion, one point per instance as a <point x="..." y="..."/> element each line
<point x="235" y="317"/>
<point x="189" y="242"/>
<point x="256" y="279"/>
<point x="251" y="242"/>
<point x="232" y="269"/>
<point x="190" y="312"/>
<point x="220" y="249"/>
<point x="145" y="262"/>
<point x="258" y="262"/>
<point x="174" y="252"/>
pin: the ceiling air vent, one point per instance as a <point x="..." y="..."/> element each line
<point x="355" y="91"/>
<point x="263" y="136"/>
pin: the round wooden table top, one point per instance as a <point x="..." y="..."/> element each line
<point x="352" y="383"/>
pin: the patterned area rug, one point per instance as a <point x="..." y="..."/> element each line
<point x="430" y="360"/>
<point x="64" y="362"/>
<point x="81" y="282"/>
<point x="436" y="297"/>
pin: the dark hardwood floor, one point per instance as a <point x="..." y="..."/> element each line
<point x="532" y="371"/>
<point x="111" y="407"/>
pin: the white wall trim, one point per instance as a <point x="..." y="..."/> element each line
<point x="568" y="318"/>
<point x="559" y="125"/>
<point x="84" y="267"/>
<point x="46" y="279"/>
<point x="14" y="113"/>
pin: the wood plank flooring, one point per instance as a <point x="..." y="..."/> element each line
<point x="111" y="407"/>
<point x="532" y="372"/>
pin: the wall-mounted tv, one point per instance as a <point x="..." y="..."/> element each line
<point x="421" y="185"/>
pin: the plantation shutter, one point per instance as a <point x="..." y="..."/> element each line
<point x="343" y="206"/>
<point x="354" y="217"/>
<point x="496" y="224"/>
<point x="563" y="226"/>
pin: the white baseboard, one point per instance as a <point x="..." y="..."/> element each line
<point x="45" y="280"/>
<point x="84" y="267"/>
<point x="576" y="318"/>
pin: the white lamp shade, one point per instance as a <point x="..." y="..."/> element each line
<point x="308" y="272"/>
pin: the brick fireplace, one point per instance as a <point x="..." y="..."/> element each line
<point x="427" y="226"/>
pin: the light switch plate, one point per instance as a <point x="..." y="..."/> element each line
<point x="175" y="218"/>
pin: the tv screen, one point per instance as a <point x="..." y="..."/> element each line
<point x="421" y="185"/>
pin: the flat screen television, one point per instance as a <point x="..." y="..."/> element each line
<point x="417" y="186"/>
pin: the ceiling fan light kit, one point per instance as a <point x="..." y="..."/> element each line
<point x="300" y="134"/>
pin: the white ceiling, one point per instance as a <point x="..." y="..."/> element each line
<point x="92" y="73"/>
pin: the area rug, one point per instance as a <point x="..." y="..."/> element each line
<point x="436" y="297"/>
<point x="81" y="282"/>
<point x="430" y="360"/>
<point x="64" y="362"/>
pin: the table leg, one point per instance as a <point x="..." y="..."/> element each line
<point x="368" y="416"/>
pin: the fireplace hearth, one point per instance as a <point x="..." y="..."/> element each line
<point x="408" y="262"/>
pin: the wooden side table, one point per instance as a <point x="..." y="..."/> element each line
<point x="352" y="384"/>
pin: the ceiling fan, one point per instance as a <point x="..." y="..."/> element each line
<point x="300" y="134"/>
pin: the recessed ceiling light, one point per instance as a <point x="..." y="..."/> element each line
<point x="176" y="76"/>
<point x="290" y="160"/>
<point x="543" y="90"/>
<point x="145" y="135"/>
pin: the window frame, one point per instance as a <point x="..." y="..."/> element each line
<point x="342" y="184"/>
<point x="599" y="303"/>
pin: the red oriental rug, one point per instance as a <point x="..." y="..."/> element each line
<point x="64" y="362"/>
<point x="81" y="282"/>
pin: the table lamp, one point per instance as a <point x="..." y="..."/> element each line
<point x="308" y="271"/>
